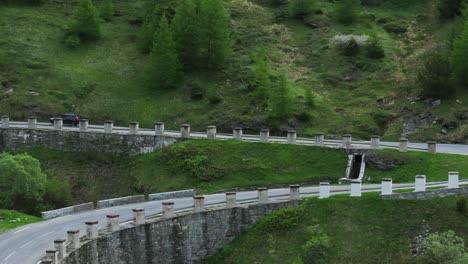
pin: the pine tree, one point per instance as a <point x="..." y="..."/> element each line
<point x="459" y="58"/>
<point x="282" y="105"/>
<point x="149" y="28"/>
<point x="261" y="76"/>
<point x="85" y="21"/>
<point x="309" y="98"/>
<point x="164" y="71"/>
<point x="184" y="26"/>
<point x="213" y="36"/>
<point x="450" y="8"/>
<point x="348" y="11"/>
<point x="107" y="10"/>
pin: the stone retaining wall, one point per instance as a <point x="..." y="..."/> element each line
<point x="83" y="141"/>
<point x="67" y="210"/>
<point x="187" y="238"/>
<point x="171" y="195"/>
<point x="428" y="194"/>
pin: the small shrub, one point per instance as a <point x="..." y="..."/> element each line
<point x="58" y="194"/>
<point x="214" y="99"/>
<point x="461" y="204"/>
<point x="352" y="48"/>
<point x="197" y="91"/>
<point x="85" y="22"/>
<point x="374" y="49"/>
<point x="301" y="8"/>
<point x="449" y="8"/>
<point x="348" y="11"/>
<point x="107" y="10"/>
<point x="317" y="245"/>
<point x="309" y="98"/>
<point x="72" y="41"/>
<point x="304" y="116"/>
<point x="281" y="220"/>
<point x="435" y="74"/>
<point x="444" y="248"/>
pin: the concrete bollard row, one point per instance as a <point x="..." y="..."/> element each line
<point x="61" y="247"/>
<point x="262" y="195"/>
<point x="52" y="255"/>
<point x="294" y="192"/>
<point x="231" y="200"/>
<point x="292" y="135"/>
<point x="168" y="209"/>
<point x="347" y="140"/>
<point x="84" y="124"/>
<point x="159" y="128"/>
<point x="387" y="186"/>
<point x="108" y="126"/>
<point x="324" y="190"/>
<point x="113" y="222"/>
<point x="375" y="142"/>
<point x="403" y="147"/>
<point x="264" y="135"/>
<point x="32" y="122"/>
<point x="92" y="229"/>
<point x="432" y="147"/>
<point x="185" y="131"/>
<point x="319" y="139"/>
<point x="133" y="127"/>
<point x="5" y="121"/>
<point x="73" y="238"/>
<point x="420" y="183"/>
<point x="356" y="188"/>
<point x="453" y="180"/>
<point x="138" y="216"/>
<point x="198" y="203"/>
<point x="58" y="123"/>
<point x="211" y="132"/>
<point x="237" y="133"/>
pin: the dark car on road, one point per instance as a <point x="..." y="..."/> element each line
<point x="69" y="119"/>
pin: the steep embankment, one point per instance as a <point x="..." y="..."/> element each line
<point x="346" y="230"/>
<point x="106" y="80"/>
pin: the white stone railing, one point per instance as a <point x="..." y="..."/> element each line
<point x="211" y="133"/>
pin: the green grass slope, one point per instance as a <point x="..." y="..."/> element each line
<point x="106" y="80"/>
<point x="12" y="219"/>
<point x="362" y="230"/>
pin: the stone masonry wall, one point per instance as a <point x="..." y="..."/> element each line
<point x="86" y="141"/>
<point x="428" y="194"/>
<point x="184" y="239"/>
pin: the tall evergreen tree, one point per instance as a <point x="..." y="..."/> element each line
<point x="450" y="8"/>
<point x="107" y="10"/>
<point x="148" y="29"/>
<point x="213" y="36"/>
<point x="164" y="71"/>
<point x="261" y="76"/>
<point x="459" y="58"/>
<point x="184" y="26"/>
<point x="85" y="21"/>
<point x="282" y="105"/>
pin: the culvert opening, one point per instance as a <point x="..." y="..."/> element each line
<point x="356" y="167"/>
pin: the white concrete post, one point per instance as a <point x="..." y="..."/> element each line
<point x="453" y="180"/>
<point x="52" y="254"/>
<point x="108" y="126"/>
<point x="324" y="190"/>
<point x="387" y="186"/>
<point x="375" y="142"/>
<point x="347" y="141"/>
<point x="32" y="122"/>
<point x="92" y="229"/>
<point x="5" y="121"/>
<point x="211" y="132"/>
<point x="237" y="133"/>
<point x="198" y="203"/>
<point x="133" y="127"/>
<point x="159" y="128"/>
<point x="294" y="193"/>
<point x="168" y="209"/>
<point x="113" y="222"/>
<point x="432" y="147"/>
<point x="61" y="247"/>
<point x="47" y="261"/>
<point x="356" y="188"/>
<point x="73" y="238"/>
<point x="292" y="135"/>
<point x="138" y="216"/>
<point x="262" y="194"/>
<point x="84" y="124"/>
<point x="231" y="199"/>
<point x="403" y="145"/>
<point x="185" y="131"/>
<point x="420" y="185"/>
<point x="319" y="139"/>
<point x="264" y="135"/>
<point x="58" y="123"/>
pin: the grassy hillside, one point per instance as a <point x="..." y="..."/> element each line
<point x="12" y="219"/>
<point x="106" y="80"/>
<point x="363" y="230"/>
<point x="211" y="166"/>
